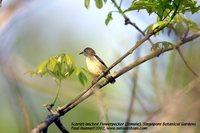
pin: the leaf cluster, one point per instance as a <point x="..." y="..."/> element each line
<point x="60" y="67"/>
<point x="165" y="8"/>
<point x="182" y="24"/>
<point x="170" y="14"/>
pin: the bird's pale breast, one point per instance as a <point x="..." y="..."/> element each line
<point x="94" y="66"/>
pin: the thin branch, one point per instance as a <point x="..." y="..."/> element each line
<point x="133" y="94"/>
<point x="142" y="105"/>
<point x="57" y="93"/>
<point x="128" y="21"/>
<point x="102" y="110"/>
<point x="119" y="8"/>
<point x="132" y="100"/>
<point x="187" y="63"/>
<point x="155" y="79"/>
<point x="120" y="4"/>
<point x="64" y="109"/>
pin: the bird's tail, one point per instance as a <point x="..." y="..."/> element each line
<point x="110" y="78"/>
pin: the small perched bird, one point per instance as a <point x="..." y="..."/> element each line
<point x="95" y="65"/>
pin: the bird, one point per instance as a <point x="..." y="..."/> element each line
<point x="95" y="65"/>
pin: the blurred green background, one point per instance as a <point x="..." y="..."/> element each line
<point x="32" y="31"/>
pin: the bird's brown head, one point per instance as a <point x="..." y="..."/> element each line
<point x="88" y="52"/>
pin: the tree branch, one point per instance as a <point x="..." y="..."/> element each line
<point x="132" y="100"/>
<point x="64" y="109"/>
<point x="156" y="53"/>
<point x="103" y="112"/>
<point x="61" y="126"/>
<point x="133" y="94"/>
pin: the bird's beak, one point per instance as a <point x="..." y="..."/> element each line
<point x="81" y="53"/>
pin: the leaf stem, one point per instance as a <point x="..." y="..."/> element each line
<point x="57" y="93"/>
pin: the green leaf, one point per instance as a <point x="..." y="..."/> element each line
<point x="87" y="3"/>
<point x="84" y="70"/>
<point x="109" y="18"/>
<point x="190" y="24"/>
<point x="80" y="73"/>
<point x="51" y="64"/>
<point x="69" y="60"/>
<point x="99" y="3"/>
<point x="166" y="44"/>
<point x="41" y="69"/>
<point x="82" y="77"/>
<point x="158" y="25"/>
<point x="69" y="72"/>
<point x="165" y="8"/>
<point x="56" y="71"/>
<point x="60" y="67"/>
<point x="170" y="29"/>
<point x="182" y="24"/>
<point x="78" y="70"/>
<point x="180" y="29"/>
<point x="149" y="6"/>
<point x="189" y="6"/>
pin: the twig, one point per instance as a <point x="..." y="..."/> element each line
<point x="187" y="63"/>
<point x="102" y="110"/>
<point x="128" y="21"/>
<point x="57" y="93"/>
<point x="133" y="95"/>
<point x="64" y="109"/>
<point x="120" y="4"/>
<point x="155" y="79"/>
<point x="142" y="105"/>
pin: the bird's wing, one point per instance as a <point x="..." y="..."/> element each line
<point x="100" y="60"/>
